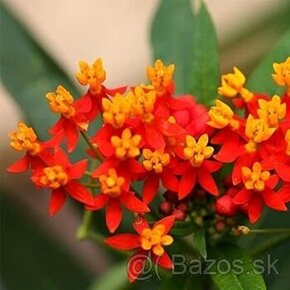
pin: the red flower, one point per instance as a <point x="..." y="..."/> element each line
<point x="114" y="193"/>
<point x="160" y="168"/>
<point x="198" y="168"/>
<point x="59" y="175"/>
<point x="25" y="139"/>
<point x="148" y="243"/>
<point x="258" y="190"/>
<point x="72" y="115"/>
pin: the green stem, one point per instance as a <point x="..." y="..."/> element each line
<point x="91" y="145"/>
<point x="270" y="231"/>
<point x="85" y="226"/>
<point x="270" y="244"/>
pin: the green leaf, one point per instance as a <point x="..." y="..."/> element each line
<point x="234" y="269"/>
<point x="172" y="38"/>
<point x="114" y="279"/>
<point x="184" y="282"/>
<point x="204" y="73"/>
<point x="261" y="78"/>
<point x="32" y="260"/>
<point x="28" y="73"/>
<point x="182" y="229"/>
<point x="200" y="243"/>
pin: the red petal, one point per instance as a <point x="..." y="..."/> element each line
<point x="272" y="181"/>
<point x="72" y="135"/>
<point x="99" y="202"/>
<point x="113" y="92"/>
<point x="105" y="166"/>
<point x="212" y="166"/>
<point x="243" y="160"/>
<point x="169" y="129"/>
<point x="242" y="196"/>
<point x="283" y="171"/>
<point x="154" y="137"/>
<point x="187" y="183"/>
<point x="206" y="181"/>
<point x="230" y="150"/>
<point x="80" y="193"/>
<point x="20" y="165"/>
<point x="169" y="181"/>
<point x="140" y="224"/>
<point x="124" y="241"/>
<point x="83" y="104"/>
<point x="273" y="200"/>
<point x="136" y="265"/>
<point x="132" y="203"/>
<point x="58" y="126"/>
<point x="150" y="188"/>
<point x="167" y="222"/>
<point x="113" y="214"/>
<point x="163" y="261"/>
<point x="60" y="157"/>
<point x="284" y="193"/>
<point x="255" y="208"/>
<point x="57" y="200"/>
<point x="77" y="170"/>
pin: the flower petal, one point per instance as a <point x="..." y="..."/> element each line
<point x="136" y="265"/>
<point x="169" y="181"/>
<point x="124" y="241"/>
<point x="99" y="202"/>
<point x="273" y="200"/>
<point x="163" y="261"/>
<point x="132" y="203"/>
<point x="154" y="137"/>
<point x="80" y="193"/>
<point x="283" y="171"/>
<point x="242" y="196"/>
<point x="255" y="208"/>
<point x="284" y="193"/>
<point x="113" y="214"/>
<point x="150" y="188"/>
<point x="77" y="170"/>
<point x="206" y="181"/>
<point x="167" y="222"/>
<point x="20" y="165"/>
<point x="140" y="224"/>
<point x="187" y="183"/>
<point x="56" y="202"/>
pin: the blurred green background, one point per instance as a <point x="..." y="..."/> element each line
<point x="41" y="42"/>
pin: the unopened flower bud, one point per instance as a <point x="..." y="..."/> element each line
<point x="165" y="208"/>
<point x="225" y="206"/>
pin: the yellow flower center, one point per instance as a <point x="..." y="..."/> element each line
<point x="61" y="102"/>
<point x="197" y="151"/>
<point x="24" y="138"/>
<point x="117" y="109"/>
<point x="54" y="177"/>
<point x="93" y="75"/>
<point x="143" y="103"/>
<point x="155" y="239"/>
<point x="155" y="160"/>
<point x="127" y="145"/>
<point x="272" y="111"/>
<point x="111" y="183"/>
<point x="221" y="115"/>
<point x="287" y="139"/>
<point x="160" y="76"/>
<point x="233" y="84"/>
<point x="257" y="130"/>
<point x="282" y="73"/>
<point x="255" y="179"/>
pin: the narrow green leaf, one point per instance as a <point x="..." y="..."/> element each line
<point x="28" y="73"/>
<point x="182" y="229"/>
<point x="261" y="78"/>
<point x="114" y="279"/>
<point x="204" y="75"/>
<point x="172" y="38"/>
<point x="200" y="242"/>
<point x="234" y="269"/>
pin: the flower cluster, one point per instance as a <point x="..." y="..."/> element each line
<point x="172" y="144"/>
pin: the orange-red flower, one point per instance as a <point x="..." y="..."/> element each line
<point x="114" y="192"/>
<point x="258" y="190"/>
<point x="148" y="242"/>
<point x="59" y="175"/>
<point x="72" y="115"/>
<point x="198" y="167"/>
